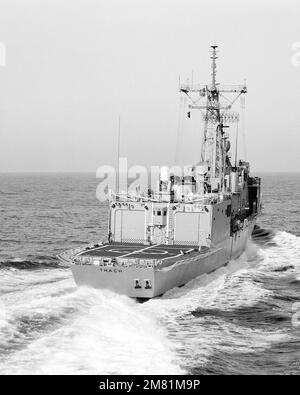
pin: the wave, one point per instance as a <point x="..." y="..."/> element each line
<point x="102" y="333"/>
<point x="263" y="236"/>
<point x="38" y="262"/>
<point x="284" y="268"/>
<point x="295" y="281"/>
<point x="217" y="323"/>
<point x="233" y="311"/>
<point x="11" y="241"/>
<point x="262" y="314"/>
<point x="261" y="362"/>
<point x="282" y="257"/>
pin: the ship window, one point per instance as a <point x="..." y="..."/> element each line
<point x="158" y="212"/>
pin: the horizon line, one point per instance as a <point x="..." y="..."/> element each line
<point x="94" y="172"/>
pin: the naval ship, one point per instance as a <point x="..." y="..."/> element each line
<point x="189" y="225"/>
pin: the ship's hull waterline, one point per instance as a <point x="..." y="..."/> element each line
<point x="122" y="279"/>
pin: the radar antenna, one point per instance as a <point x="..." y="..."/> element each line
<point x="213" y="64"/>
<point x="216" y="113"/>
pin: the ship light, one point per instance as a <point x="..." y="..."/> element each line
<point x="147" y="284"/>
<point x="137" y="283"/>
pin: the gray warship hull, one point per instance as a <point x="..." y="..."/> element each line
<point x="173" y="272"/>
<point x="193" y="222"/>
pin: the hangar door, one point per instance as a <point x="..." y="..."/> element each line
<point x="130" y="226"/>
<point x="187" y="227"/>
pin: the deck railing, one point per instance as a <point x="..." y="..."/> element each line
<point x="165" y="198"/>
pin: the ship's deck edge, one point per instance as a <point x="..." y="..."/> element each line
<point x="140" y="251"/>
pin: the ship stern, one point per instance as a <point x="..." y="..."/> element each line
<point x="131" y="281"/>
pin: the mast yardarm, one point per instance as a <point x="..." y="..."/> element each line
<point x="215" y="108"/>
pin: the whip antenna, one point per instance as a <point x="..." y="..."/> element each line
<point x="118" y="157"/>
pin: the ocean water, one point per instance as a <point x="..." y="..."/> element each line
<point x="242" y="319"/>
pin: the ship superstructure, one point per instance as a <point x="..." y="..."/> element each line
<point x="192" y="224"/>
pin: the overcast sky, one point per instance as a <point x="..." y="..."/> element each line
<point x="73" y="65"/>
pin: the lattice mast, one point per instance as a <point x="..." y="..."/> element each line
<point x="212" y="148"/>
<point x="215" y="146"/>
